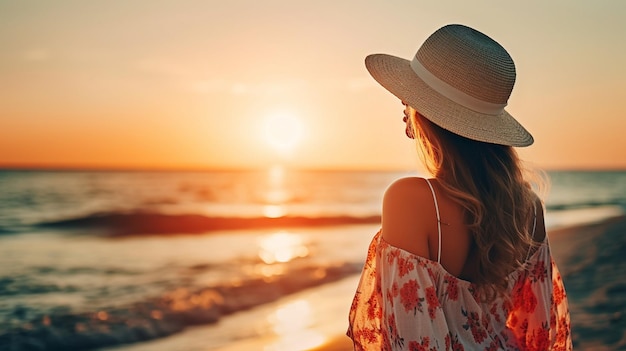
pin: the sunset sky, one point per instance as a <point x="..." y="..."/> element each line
<point x="244" y="83"/>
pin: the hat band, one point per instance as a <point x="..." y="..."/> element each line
<point x="453" y="93"/>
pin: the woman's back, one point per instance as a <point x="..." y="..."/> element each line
<point x="407" y="302"/>
<point x="418" y="301"/>
<point x="410" y="223"/>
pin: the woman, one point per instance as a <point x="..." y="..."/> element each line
<point x="462" y="261"/>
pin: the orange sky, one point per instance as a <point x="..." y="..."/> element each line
<point x="176" y="84"/>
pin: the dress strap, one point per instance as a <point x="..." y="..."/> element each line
<point x="438" y="220"/>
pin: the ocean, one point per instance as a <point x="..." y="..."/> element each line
<point x="102" y="259"/>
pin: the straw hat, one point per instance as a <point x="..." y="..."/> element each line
<point x="461" y="80"/>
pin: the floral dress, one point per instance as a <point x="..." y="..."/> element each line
<point x="408" y="302"/>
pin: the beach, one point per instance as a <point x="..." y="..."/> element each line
<point x="245" y="260"/>
<point x="596" y="300"/>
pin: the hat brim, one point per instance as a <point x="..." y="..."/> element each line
<point x="395" y="75"/>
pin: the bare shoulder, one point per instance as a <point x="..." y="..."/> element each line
<point x="409" y="190"/>
<point x="408" y="215"/>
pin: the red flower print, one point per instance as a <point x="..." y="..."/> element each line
<point x="456" y="345"/>
<point x="529" y="298"/>
<point x="373" y="309"/>
<point x="524" y="328"/>
<point x="506" y="306"/>
<point x="371" y="271"/>
<point x="523" y="296"/>
<point x="393" y="330"/>
<point x="479" y="335"/>
<point x="423" y="346"/>
<point x="447" y="340"/>
<point x="367" y="335"/>
<point x="431" y="274"/>
<point x="475" y="292"/>
<point x="542" y="338"/>
<point x="391" y="320"/>
<point x="422" y="262"/>
<point x="558" y="293"/>
<point x="414" y="346"/>
<point x="392" y="293"/>
<point x="405" y="266"/>
<point x="378" y="288"/>
<point x="355" y="301"/>
<point x="517" y="296"/>
<point x="473" y="325"/>
<point x="432" y="300"/>
<point x="495" y="313"/>
<point x="452" y="289"/>
<point x="493" y="346"/>
<point x="394" y="289"/>
<point x="563" y="331"/>
<point x="408" y="295"/>
<point x="385" y="346"/>
<point x="485" y="319"/>
<point x="540" y="272"/>
<point x="389" y="297"/>
<point x="371" y="252"/>
<point x="393" y="254"/>
<point x="431" y="297"/>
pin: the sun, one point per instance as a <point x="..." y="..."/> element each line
<point x="283" y="132"/>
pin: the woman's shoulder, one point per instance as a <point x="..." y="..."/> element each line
<point x="406" y="219"/>
<point x="407" y="188"/>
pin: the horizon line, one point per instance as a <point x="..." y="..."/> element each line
<point x="199" y="168"/>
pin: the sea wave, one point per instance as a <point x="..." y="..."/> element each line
<point x="160" y="316"/>
<point x="144" y="221"/>
<point x="135" y="223"/>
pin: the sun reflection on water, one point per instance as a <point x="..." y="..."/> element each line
<point x="276" y="195"/>
<point x="291" y="323"/>
<point x="281" y="247"/>
<point x="273" y="211"/>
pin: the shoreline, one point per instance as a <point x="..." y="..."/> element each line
<point x="311" y="319"/>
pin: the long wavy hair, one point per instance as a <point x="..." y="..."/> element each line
<point x="490" y="183"/>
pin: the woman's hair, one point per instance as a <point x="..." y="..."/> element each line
<point x="488" y="181"/>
